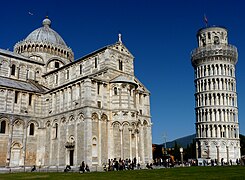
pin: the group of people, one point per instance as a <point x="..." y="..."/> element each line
<point x="121" y="164"/>
<point x="166" y="162"/>
<point x="84" y="168"/>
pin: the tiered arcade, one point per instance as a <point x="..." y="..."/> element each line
<point x="217" y="129"/>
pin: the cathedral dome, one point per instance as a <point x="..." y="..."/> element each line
<point x="44" y="40"/>
<point x="46" y="34"/>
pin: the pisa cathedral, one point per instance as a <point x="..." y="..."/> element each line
<point x="56" y="111"/>
<point x="217" y="128"/>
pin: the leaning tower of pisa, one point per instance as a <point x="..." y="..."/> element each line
<point x="217" y="128"/>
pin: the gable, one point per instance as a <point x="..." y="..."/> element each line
<point x="121" y="48"/>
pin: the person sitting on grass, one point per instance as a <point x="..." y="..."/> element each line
<point x="33" y="169"/>
<point x="149" y="166"/>
<point x="68" y="168"/>
<point x="87" y="168"/>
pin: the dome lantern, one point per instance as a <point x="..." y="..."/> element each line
<point x="46" y="22"/>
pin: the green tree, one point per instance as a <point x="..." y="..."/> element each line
<point x="176" y="152"/>
<point x="242" y="144"/>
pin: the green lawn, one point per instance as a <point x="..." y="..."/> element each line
<point x="234" y="172"/>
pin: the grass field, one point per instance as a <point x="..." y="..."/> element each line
<point x="228" y="172"/>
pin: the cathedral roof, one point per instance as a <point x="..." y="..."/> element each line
<point x="123" y="79"/>
<point x="22" y="85"/>
<point x="46" y="34"/>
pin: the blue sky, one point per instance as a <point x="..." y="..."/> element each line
<point x="160" y="34"/>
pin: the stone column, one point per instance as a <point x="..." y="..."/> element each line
<point x="5" y="99"/>
<point x="208" y="115"/>
<point x="208" y="151"/>
<point x="99" y="145"/>
<point x="121" y="140"/>
<point x="58" y="142"/>
<point x="120" y="97"/>
<point x="213" y="131"/>
<point x="80" y="93"/>
<point x="208" y="131"/>
<point x="217" y="115"/>
<point x="221" y="115"/>
<point x="88" y="137"/>
<point x="110" y="146"/>
<point x="10" y="136"/>
<point x="219" y="131"/>
<point x="197" y="151"/>
<point x="50" y="145"/>
<point x="87" y="92"/>
<point x="69" y="97"/>
<point x="149" y="143"/>
<point x="76" y="163"/>
<point x="24" y="146"/>
<point x="61" y="100"/>
<point x="130" y="142"/>
<point x="142" y="141"/>
<point x="136" y="143"/>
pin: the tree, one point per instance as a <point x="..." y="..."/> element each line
<point x="242" y="144"/>
<point x="176" y="152"/>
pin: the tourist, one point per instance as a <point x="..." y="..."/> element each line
<point x="82" y="168"/>
<point x="33" y="169"/>
<point x="68" y="168"/>
<point x="87" y="168"/>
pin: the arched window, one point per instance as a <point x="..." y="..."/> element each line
<point x="56" y="64"/>
<point x="95" y="62"/>
<point x="56" y="130"/>
<point x="94" y="147"/>
<point x="3" y="127"/>
<point x="81" y="68"/>
<point x="30" y="99"/>
<point x="115" y="91"/>
<point x="13" y="70"/>
<point x="120" y="65"/>
<point x="16" y="96"/>
<point x="32" y="128"/>
<point x="67" y="74"/>
<point x="216" y="40"/>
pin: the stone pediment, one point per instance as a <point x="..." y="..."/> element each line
<point x="121" y="48"/>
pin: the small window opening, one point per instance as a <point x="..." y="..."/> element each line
<point x="209" y="35"/>
<point x="98" y="88"/>
<point x="16" y="96"/>
<point x="30" y="99"/>
<point x="13" y="70"/>
<point x="3" y="127"/>
<point x="67" y="74"/>
<point x="120" y="65"/>
<point x="32" y="127"/>
<point x="56" y="64"/>
<point x="95" y="62"/>
<point x="56" y="130"/>
<point x="99" y="104"/>
<point x="81" y="68"/>
<point x="115" y="91"/>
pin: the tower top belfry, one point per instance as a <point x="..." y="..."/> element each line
<point x="213" y="42"/>
<point x="212" y="36"/>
